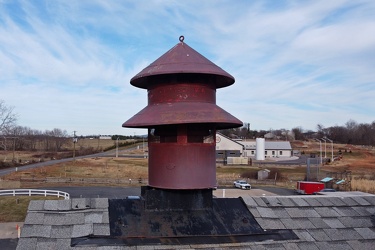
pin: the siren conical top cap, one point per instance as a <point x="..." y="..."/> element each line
<point x="181" y="88"/>
<point x="182" y="59"/>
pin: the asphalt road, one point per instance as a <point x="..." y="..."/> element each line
<point x="99" y="192"/>
<point x="302" y="160"/>
<point x="123" y="192"/>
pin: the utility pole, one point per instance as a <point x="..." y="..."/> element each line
<point x="117" y="147"/>
<point x="331" y="148"/>
<point x="248" y="131"/>
<point x="74" y="145"/>
<point x="325" y="147"/>
<point x="320" y="156"/>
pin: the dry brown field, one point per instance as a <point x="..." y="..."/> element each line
<point x="40" y="155"/>
<point x="360" y="161"/>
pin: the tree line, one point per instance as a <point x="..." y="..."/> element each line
<point x="349" y="133"/>
<point x="15" y="137"/>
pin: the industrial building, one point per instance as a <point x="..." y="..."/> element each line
<point x="227" y="147"/>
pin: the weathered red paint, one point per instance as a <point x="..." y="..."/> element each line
<point x="182" y="59"/>
<point x="182" y="118"/>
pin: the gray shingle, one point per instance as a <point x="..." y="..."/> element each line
<point x="50" y="205"/>
<point x="267" y="223"/>
<point x="36" y="205"/>
<point x="34" y="218"/>
<point x="326" y="212"/>
<point x="61" y="232"/>
<point x="301" y="212"/>
<point x="301" y="202"/>
<point x="105" y="217"/>
<point x="371" y="210"/>
<point x="342" y="245"/>
<point x="297" y="223"/>
<point x="337" y="201"/>
<point x="93" y="217"/>
<point x="272" y="246"/>
<point x="249" y="201"/>
<point x="260" y="202"/>
<point x="356" y="221"/>
<point x="307" y="246"/>
<point x="61" y="205"/>
<point x="361" y="244"/>
<point x="349" y="201"/>
<point x="361" y="201"/>
<point x="333" y="223"/>
<point x="318" y="235"/>
<point x="64" y="219"/>
<point x="64" y="244"/>
<point x="81" y="203"/>
<point x="29" y="231"/>
<point x="319" y="223"/>
<point x="286" y="201"/>
<point x="304" y="235"/>
<point x="266" y="212"/>
<point x="64" y="205"/>
<point x="271" y="201"/>
<point x="362" y="211"/>
<point x="370" y="199"/>
<point x="280" y="212"/>
<point x="27" y="244"/>
<point x="46" y="244"/>
<point x="99" y="203"/>
<point x="291" y="246"/>
<point x="313" y="202"/>
<point x="342" y="234"/>
<point x="82" y="230"/>
<point x="366" y="233"/>
<point x="346" y="211"/>
<point x="101" y="229"/>
<point x="325" y="201"/>
<point x="254" y="212"/>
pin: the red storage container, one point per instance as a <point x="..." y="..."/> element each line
<point x="309" y="187"/>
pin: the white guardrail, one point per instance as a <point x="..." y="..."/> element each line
<point x="30" y="192"/>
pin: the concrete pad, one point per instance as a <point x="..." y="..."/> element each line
<point x="8" y="230"/>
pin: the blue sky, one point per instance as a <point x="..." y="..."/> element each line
<point x="67" y="64"/>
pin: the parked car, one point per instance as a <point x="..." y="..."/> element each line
<point x="325" y="190"/>
<point x="328" y="190"/>
<point x="241" y="184"/>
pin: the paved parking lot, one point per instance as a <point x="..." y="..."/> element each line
<point x="235" y="193"/>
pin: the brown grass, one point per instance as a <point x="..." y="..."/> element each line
<point x="14" y="209"/>
<point x="35" y="156"/>
<point x="108" y="168"/>
<point x="363" y="185"/>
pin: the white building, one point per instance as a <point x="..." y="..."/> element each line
<point x="226" y="147"/>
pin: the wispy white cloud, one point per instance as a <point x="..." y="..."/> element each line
<point x="67" y="64"/>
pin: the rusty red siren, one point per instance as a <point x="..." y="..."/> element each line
<point x="182" y="118"/>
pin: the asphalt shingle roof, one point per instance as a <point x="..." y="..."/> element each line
<point x="320" y="222"/>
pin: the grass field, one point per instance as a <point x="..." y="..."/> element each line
<point x="14" y="208"/>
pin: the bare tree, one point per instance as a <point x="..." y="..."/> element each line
<point x="60" y="137"/>
<point x="298" y="133"/>
<point x="7" y="118"/>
